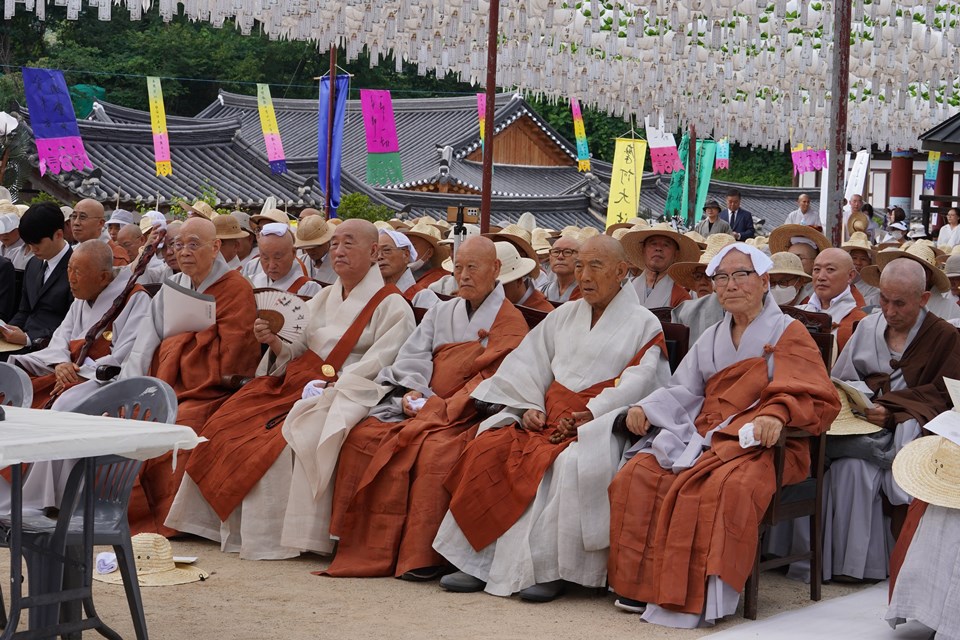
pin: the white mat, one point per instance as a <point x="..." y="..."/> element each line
<point x="857" y="616"/>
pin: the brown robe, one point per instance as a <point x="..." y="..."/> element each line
<point x="120" y="257"/>
<point x="669" y="532"/>
<point x="413" y="290"/>
<point x="899" y="554"/>
<point x="539" y="301"/>
<point x="678" y="295"/>
<point x="857" y="297"/>
<point x="43" y="385"/>
<point x="389" y="497"/>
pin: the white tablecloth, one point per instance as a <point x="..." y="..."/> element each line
<point x="34" y="435"/>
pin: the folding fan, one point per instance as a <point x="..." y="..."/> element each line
<point x="286" y="313"/>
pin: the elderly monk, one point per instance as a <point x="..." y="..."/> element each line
<point x="12" y="246"/>
<point x="561" y="285"/>
<point x="230" y="235"/>
<point x="394" y="255"/>
<point x="263" y="464"/>
<point x="389" y="497"/>
<point x="313" y="240"/>
<point x="426" y="240"/>
<point x="686" y="506"/>
<point x="704" y="311"/>
<point x="528" y="508"/>
<point x="515" y="277"/>
<point x="87" y="222"/>
<point x="656" y="249"/>
<point x="279" y="267"/>
<point x="899" y="358"/>
<point x="833" y="275"/>
<point x="131" y="240"/>
<point x="193" y="363"/>
<point x="94" y="288"/>
<point x="247" y="247"/>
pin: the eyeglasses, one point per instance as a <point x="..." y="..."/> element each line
<point x="191" y="246"/>
<point x="699" y="275"/>
<point x="738" y="277"/>
<point x="82" y="217"/>
<point x="566" y="253"/>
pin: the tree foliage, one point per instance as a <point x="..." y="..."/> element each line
<point x="358" y="205"/>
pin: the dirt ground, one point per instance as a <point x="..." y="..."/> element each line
<point x="281" y="599"/>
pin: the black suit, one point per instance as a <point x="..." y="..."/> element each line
<point x="43" y="305"/>
<point x="8" y="289"/>
<point x="742" y="225"/>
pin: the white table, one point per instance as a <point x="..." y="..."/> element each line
<point x="33" y="435"/>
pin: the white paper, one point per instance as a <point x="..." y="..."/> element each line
<point x="947" y="424"/>
<point x="748" y="436"/>
<point x="953" y="388"/>
<point x="185" y="310"/>
<point x="858" y="399"/>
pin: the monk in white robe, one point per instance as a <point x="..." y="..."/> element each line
<point x="561" y="285"/>
<point x="262" y="485"/>
<point x="833" y="275"/>
<point x="529" y="507"/>
<point x="279" y="267"/>
<point x="395" y="255"/>
<point x="655" y="250"/>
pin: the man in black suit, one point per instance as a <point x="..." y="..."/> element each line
<point x="8" y="285"/>
<point x="46" y="293"/>
<point x="741" y="220"/>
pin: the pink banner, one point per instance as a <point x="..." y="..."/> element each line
<point x="274" y="146"/>
<point x="62" y="154"/>
<point x="808" y="160"/>
<point x="161" y="147"/>
<point x="665" y="159"/>
<point x="721" y="164"/>
<point x="378" y="122"/>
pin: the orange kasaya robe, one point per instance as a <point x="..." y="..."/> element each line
<point x="120" y="257"/>
<point x="413" y="290"/>
<point x="194" y="364"/>
<point x="539" y="301"/>
<point x="678" y="295"/>
<point x="389" y="498"/>
<point x="431" y="276"/>
<point x="857" y="297"/>
<point x="669" y="532"/>
<point x="845" y="327"/>
<point x="498" y="475"/>
<point x="899" y="554"/>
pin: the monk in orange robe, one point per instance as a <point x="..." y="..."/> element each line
<point x="833" y="293"/>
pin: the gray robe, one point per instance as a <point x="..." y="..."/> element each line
<point x="698" y="314"/>
<point x="659" y="296"/>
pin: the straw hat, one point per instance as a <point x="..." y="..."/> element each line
<point x="682" y="272"/>
<point x="871" y="275"/>
<point x="398" y="224"/>
<point x="155" y="566"/>
<point x="786" y="235"/>
<point x="21" y="209"/>
<point x="570" y="231"/>
<point x="244" y="220"/>
<point x="918" y="252"/>
<point x="696" y="237"/>
<point x="848" y="424"/>
<point x="929" y="469"/>
<point x="760" y="242"/>
<point x="858" y="241"/>
<point x="633" y="243"/>
<point x="430" y="233"/>
<point x="335" y="221"/>
<point x="381" y="225"/>
<point x="955" y="251"/>
<point x="588" y="232"/>
<point x="952" y="267"/>
<point x="512" y="265"/>
<point x="540" y="241"/>
<point x="8" y="207"/>
<point x="270" y="215"/>
<point x="201" y="209"/>
<point x="441" y="224"/>
<point x="787" y="264"/>
<point x="228" y="228"/>
<point x="313" y="231"/>
<point x="857" y="222"/>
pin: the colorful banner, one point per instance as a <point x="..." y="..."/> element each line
<point x="54" y="122"/>
<point x="629" y="156"/>
<point x="271" y="131"/>
<point x="675" y="205"/>
<point x="678" y="197"/>
<point x="482" y="112"/>
<point x="664" y="156"/>
<point x="723" y="154"/>
<point x="930" y="175"/>
<point x="383" y="148"/>
<point x="580" y="132"/>
<point x="158" y="122"/>
<point x="335" y="142"/>
<point x="806" y="159"/>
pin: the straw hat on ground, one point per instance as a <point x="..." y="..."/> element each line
<point x="786" y="235"/>
<point x="270" y="215"/>
<point x="857" y="223"/>
<point x="918" y="252"/>
<point x="201" y="209"/>
<point x="520" y="238"/>
<point x="682" y="272"/>
<point x="513" y="266"/>
<point x="929" y="469"/>
<point x="848" y="424"/>
<point x="228" y="228"/>
<point x="633" y="243"/>
<point x="787" y="264"/>
<point x="313" y="231"/>
<point x="858" y="241"/>
<point x="155" y="566"/>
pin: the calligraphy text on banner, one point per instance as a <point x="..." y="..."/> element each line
<point x="271" y="130"/>
<point x="383" y="147"/>
<point x="628" y="159"/>
<point x="158" y="123"/>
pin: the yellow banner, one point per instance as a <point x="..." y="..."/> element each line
<point x="628" y="159"/>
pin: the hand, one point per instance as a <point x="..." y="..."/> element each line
<point x="13" y="335"/>
<point x="66" y="373"/>
<point x="261" y="331"/>
<point x="637" y="422"/>
<point x="767" y="430"/>
<point x="567" y="427"/>
<point x="534" y="420"/>
<point x="407" y="397"/>
<point x="878" y="415"/>
<point x="736" y="235"/>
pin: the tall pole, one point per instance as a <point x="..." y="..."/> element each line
<point x="486" y="190"/>
<point x="692" y="174"/>
<point x="330" y="100"/>
<point x="839" y="96"/>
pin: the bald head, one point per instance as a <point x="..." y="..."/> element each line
<point x="833" y="272"/>
<point x="476" y="269"/>
<point x="606" y="245"/>
<point x="198" y="248"/>
<point x="98" y="253"/>
<point x="480" y="247"/>
<point x="131" y="238"/>
<point x="905" y="273"/>
<point x="90" y="206"/>
<point x="600" y="268"/>
<point x="277" y="254"/>
<point x="353" y="250"/>
<point x="361" y="230"/>
<point x="903" y="294"/>
<point x="90" y="269"/>
<point x="87" y="220"/>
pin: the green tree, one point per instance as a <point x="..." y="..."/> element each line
<point x="358" y="205"/>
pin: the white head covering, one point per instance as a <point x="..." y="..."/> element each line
<point x="761" y="262"/>
<point x="9" y="222"/>
<point x="275" y="229"/>
<point x="152" y="219"/>
<point x="804" y="240"/>
<point x="401" y="240"/>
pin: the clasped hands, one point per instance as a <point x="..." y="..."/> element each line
<point x="536" y="421"/>
<point x="766" y="429"/>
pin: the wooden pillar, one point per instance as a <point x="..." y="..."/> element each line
<point x="944" y="183"/>
<point x="900" y="190"/>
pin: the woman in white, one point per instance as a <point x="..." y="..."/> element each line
<point x="950" y="233"/>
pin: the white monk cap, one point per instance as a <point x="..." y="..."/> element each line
<point x="401" y="240"/>
<point x="761" y="261"/>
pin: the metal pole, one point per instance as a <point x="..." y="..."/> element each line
<point x="486" y="190"/>
<point x="839" y="92"/>
<point x="330" y="100"/>
<point x="692" y="168"/>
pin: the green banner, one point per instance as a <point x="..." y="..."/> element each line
<point x="384" y="168"/>
<point x="678" y="183"/>
<point x="679" y="195"/>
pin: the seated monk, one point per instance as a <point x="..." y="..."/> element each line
<point x="394" y="256"/>
<point x="87" y="223"/>
<point x="426" y="241"/>
<point x="193" y="363"/>
<point x="898" y="358"/>
<point x="313" y="241"/>
<point x="279" y="267"/>
<point x="389" y="497"/>
<point x="686" y="506"/>
<point x="515" y="277"/>
<point x="528" y="509"/>
<point x="833" y="275"/>
<point x="656" y="249"/>
<point x="561" y="284"/>
<point x="262" y="485"/>
<point x="704" y="310"/>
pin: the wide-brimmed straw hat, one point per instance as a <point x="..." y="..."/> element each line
<point x="429" y="233"/>
<point x="857" y="222"/>
<point x="513" y="266"/>
<point x="200" y="208"/>
<point x="271" y="215"/>
<point x="788" y="264"/>
<point x="696" y="237"/>
<point x="540" y="241"/>
<point x="918" y="252"/>
<point x="228" y="228"/>
<point x="929" y="469"/>
<point x="784" y="236"/>
<point x="313" y="231"/>
<point x="847" y="423"/>
<point x="398" y="224"/>
<point x="8" y="207"/>
<point x="153" y="556"/>
<point x="629" y="224"/>
<point x="955" y="251"/>
<point x="871" y="275"/>
<point x="682" y="272"/>
<point x="633" y="243"/>
<point x="858" y="241"/>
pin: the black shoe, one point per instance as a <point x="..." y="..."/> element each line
<point x="629" y="604"/>
<point x="423" y="574"/>
<point x="461" y="582"/>
<point x="543" y="591"/>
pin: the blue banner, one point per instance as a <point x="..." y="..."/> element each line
<point x="54" y="123"/>
<point x="336" y="142"/>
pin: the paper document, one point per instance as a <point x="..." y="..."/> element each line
<point x="858" y="399"/>
<point x="953" y="388"/>
<point x="185" y="310"/>
<point x="947" y="424"/>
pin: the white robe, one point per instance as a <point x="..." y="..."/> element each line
<point x="323" y="273"/>
<point x="811" y="218"/>
<point x="698" y="314"/>
<point x="565" y="532"/>
<point x="288" y="510"/>
<point x="447" y="285"/>
<point x="658" y="296"/>
<point x="18" y="253"/>
<point x="870" y="293"/>
<point x="308" y="289"/>
<point x="943" y="305"/>
<point x="948" y="237"/>
<point x="840" y="308"/>
<point x="551" y="289"/>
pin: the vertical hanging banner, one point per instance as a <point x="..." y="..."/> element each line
<point x="806" y="159"/>
<point x="54" y="122"/>
<point x="664" y="156"/>
<point x="723" y="154"/>
<point x="675" y="205"/>
<point x="158" y="123"/>
<point x="334" y="142"/>
<point x="706" y="153"/>
<point x="580" y="132"/>
<point x="482" y="112"/>
<point x="629" y="156"/>
<point x="383" y="149"/>
<point x="271" y="131"/>
<point x="930" y="174"/>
